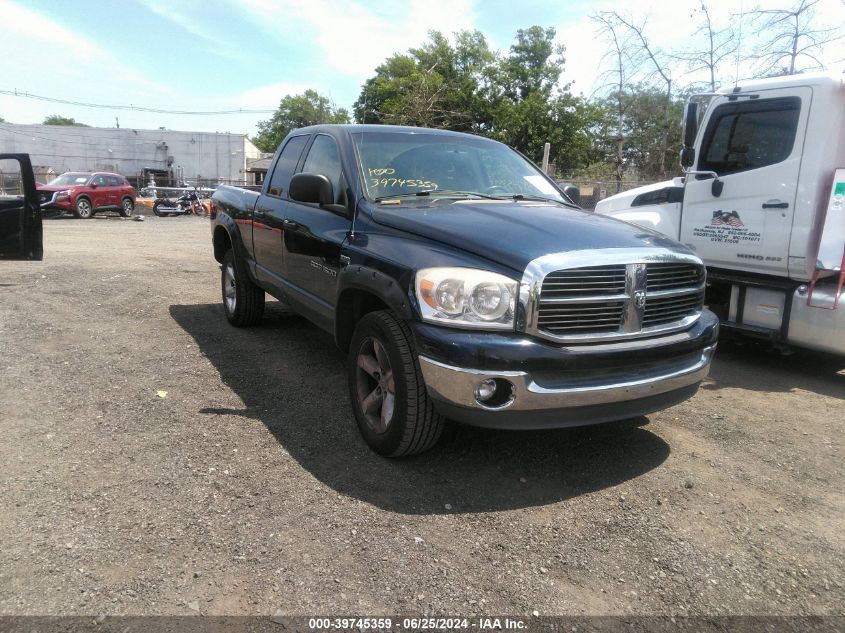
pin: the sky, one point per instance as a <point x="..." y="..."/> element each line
<point x="201" y="55"/>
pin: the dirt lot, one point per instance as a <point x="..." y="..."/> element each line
<point x="246" y="490"/>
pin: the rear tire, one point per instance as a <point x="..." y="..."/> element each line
<point x="126" y="208"/>
<point x="392" y="407"/>
<point x="243" y="301"/>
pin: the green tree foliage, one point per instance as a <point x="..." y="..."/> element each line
<point x="57" y="119"/>
<point x="435" y="85"/>
<point x="295" y="111"/>
<point x="646" y="109"/>
<point x="467" y="87"/>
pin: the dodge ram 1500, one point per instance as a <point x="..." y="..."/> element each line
<point x="462" y="284"/>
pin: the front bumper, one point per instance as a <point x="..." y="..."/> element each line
<point x="54" y="201"/>
<point x="570" y="386"/>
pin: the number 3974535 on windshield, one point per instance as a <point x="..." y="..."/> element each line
<point x="402" y="182"/>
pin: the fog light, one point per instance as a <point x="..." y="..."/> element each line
<point x="485" y="390"/>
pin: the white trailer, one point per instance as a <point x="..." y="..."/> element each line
<point x="762" y="202"/>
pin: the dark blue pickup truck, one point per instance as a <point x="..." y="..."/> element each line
<point x="463" y="284"/>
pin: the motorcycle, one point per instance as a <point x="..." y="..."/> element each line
<point x="186" y="204"/>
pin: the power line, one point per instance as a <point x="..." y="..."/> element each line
<point x="103" y="106"/>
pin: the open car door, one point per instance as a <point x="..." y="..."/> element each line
<point x="21" y="233"/>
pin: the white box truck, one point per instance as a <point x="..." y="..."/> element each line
<point x="762" y="202"/>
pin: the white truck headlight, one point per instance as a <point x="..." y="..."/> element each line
<point x="466" y="297"/>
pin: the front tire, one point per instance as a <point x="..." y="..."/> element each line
<point x="83" y="209"/>
<point x="392" y="407"/>
<point x="243" y="301"/>
<point x="127" y="208"/>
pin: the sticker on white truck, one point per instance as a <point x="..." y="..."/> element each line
<point x="726" y="227"/>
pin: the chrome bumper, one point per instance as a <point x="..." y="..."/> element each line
<point x="456" y="386"/>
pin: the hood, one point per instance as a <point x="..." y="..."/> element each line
<point x="515" y="233"/>
<point x="41" y="187"/>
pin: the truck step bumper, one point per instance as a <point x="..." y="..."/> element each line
<point x="521" y="401"/>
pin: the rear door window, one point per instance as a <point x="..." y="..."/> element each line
<point x="323" y="158"/>
<point x="283" y="171"/>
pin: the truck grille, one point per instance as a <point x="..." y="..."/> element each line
<point x="671" y="276"/>
<point x="619" y="299"/>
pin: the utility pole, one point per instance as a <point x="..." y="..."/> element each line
<point x="547" y="147"/>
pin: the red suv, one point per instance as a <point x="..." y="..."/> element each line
<point x="84" y="194"/>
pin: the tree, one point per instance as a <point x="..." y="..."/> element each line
<point x="654" y="59"/>
<point x="645" y="154"/>
<point x="531" y="109"/>
<point x="616" y="78"/>
<point x="791" y="41"/>
<point x="57" y="119"/>
<point x="436" y="85"/>
<point x="530" y="66"/>
<point x="295" y="111"/>
<point x="719" y="45"/>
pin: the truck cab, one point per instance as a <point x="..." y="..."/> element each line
<point x="761" y="204"/>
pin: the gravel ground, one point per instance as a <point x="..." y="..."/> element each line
<point x="247" y="490"/>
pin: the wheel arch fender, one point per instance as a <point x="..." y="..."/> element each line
<point x="227" y="235"/>
<point x="362" y="290"/>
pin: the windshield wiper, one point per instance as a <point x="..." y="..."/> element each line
<point x="444" y="192"/>
<point x="402" y="195"/>
<point x="520" y="196"/>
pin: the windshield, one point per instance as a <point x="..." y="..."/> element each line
<point x="403" y="163"/>
<point x="69" y="179"/>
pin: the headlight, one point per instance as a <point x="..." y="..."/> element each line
<point x="64" y="195"/>
<point x="465" y="297"/>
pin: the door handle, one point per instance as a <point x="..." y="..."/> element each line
<point x="290" y="225"/>
<point x="775" y="205"/>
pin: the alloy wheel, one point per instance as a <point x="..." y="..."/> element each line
<point x="375" y="386"/>
<point x="230" y="289"/>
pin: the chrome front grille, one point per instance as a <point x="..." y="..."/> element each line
<point x="581" y="318"/>
<point x="670" y="309"/>
<point x="619" y="300"/>
<point x="577" y="282"/>
<point x="670" y="276"/>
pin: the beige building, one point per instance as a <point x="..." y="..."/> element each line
<point x="171" y="156"/>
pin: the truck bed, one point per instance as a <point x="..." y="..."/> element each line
<point x="235" y="198"/>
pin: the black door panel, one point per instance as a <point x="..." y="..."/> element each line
<point x="269" y="214"/>
<point x="313" y="235"/>
<point x="21" y="234"/>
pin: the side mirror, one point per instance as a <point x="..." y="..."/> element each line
<point x="573" y="193"/>
<point x="314" y="188"/>
<point x="93" y="185"/>
<point x="690" y="124"/>
<point x="687" y="157"/>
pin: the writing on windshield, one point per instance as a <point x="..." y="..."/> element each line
<point x="397" y="162"/>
